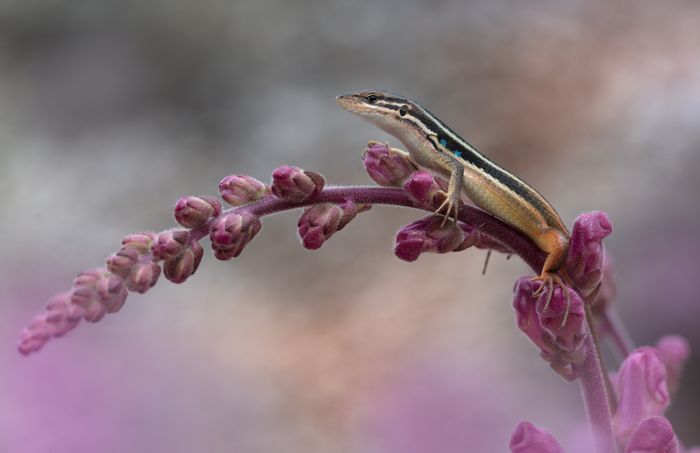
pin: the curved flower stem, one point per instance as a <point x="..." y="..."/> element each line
<point x="596" y="389"/>
<point x="592" y="379"/>
<point x="483" y="221"/>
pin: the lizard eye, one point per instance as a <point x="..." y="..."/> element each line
<point x="372" y="98"/>
<point x="403" y="110"/>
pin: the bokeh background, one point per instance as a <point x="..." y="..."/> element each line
<point x="111" y="109"/>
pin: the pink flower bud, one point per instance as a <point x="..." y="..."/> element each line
<point x="143" y="276"/>
<point x="121" y="262"/>
<point x="61" y="316"/>
<point x="385" y="166"/>
<point x="295" y="184"/>
<point x="112" y="293"/>
<point x="674" y="351"/>
<point x="529" y="439"/>
<point x="653" y="435"/>
<point x="584" y="262"/>
<point x="423" y="189"/>
<point x="559" y="342"/>
<point x="35" y="335"/>
<point x="642" y="389"/>
<point x="319" y="222"/>
<point x="194" y="212"/>
<point x="95" y="293"/>
<point x="427" y="235"/>
<point x="237" y="190"/>
<point x="169" y="244"/>
<point x="231" y="233"/>
<point x="141" y="242"/>
<point x="179" y="269"/>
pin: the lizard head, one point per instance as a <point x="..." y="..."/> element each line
<point x="390" y="112"/>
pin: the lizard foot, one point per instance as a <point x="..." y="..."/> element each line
<point x="451" y="211"/>
<point x="548" y="280"/>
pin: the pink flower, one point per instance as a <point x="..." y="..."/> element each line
<point x="237" y="190"/>
<point x="321" y="221"/>
<point x="427" y="235"/>
<point x="584" y="262"/>
<point x="653" y="435"/>
<point x="642" y="389"/>
<point x="194" y="212"/>
<point x="231" y="233"/>
<point x="294" y="184"/>
<point x="558" y="331"/>
<point x="529" y="439"/>
<point x="674" y="351"/>
<point x="386" y="166"/>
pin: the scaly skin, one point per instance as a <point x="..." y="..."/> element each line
<point x="436" y="147"/>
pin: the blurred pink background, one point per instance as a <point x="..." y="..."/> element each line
<point x="112" y="109"/>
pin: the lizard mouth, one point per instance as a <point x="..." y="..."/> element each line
<point x="348" y="102"/>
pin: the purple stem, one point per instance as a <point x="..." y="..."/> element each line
<point x="591" y="377"/>
<point x="595" y="393"/>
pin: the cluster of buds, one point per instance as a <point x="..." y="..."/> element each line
<point x="553" y="319"/>
<point x="554" y="322"/>
<point x="433" y="235"/>
<point x="644" y="386"/>
<point x="94" y="294"/>
<point x="230" y="233"/>
<point x="294" y="184"/>
<point x="180" y="254"/>
<point x="320" y="221"/>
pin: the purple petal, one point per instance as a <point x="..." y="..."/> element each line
<point x="653" y="435"/>
<point x="529" y="439"/>
<point x="643" y="391"/>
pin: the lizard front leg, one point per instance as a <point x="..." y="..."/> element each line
<point x="454" y="188"/>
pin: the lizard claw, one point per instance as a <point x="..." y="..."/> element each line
<point x="451" y="211"/>
<point x="548" y="280"/>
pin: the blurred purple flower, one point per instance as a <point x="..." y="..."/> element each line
<point x="653" y="435"/>
<point x="642" y="391"/>
<point x="529" y="439"/>
<point x="674" y="351"/>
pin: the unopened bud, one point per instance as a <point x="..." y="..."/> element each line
<point x="387" y="167"/>
<point x="179" y="269"/>
<point x="237" y="190"/>
<point x="169" y="244"/>
<point x="427" y="235"/>
<point x="294" y="184"/>
<point x="194" y="212"/>
<point x="231" y="233"/>
<point x="143" y="276"/>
